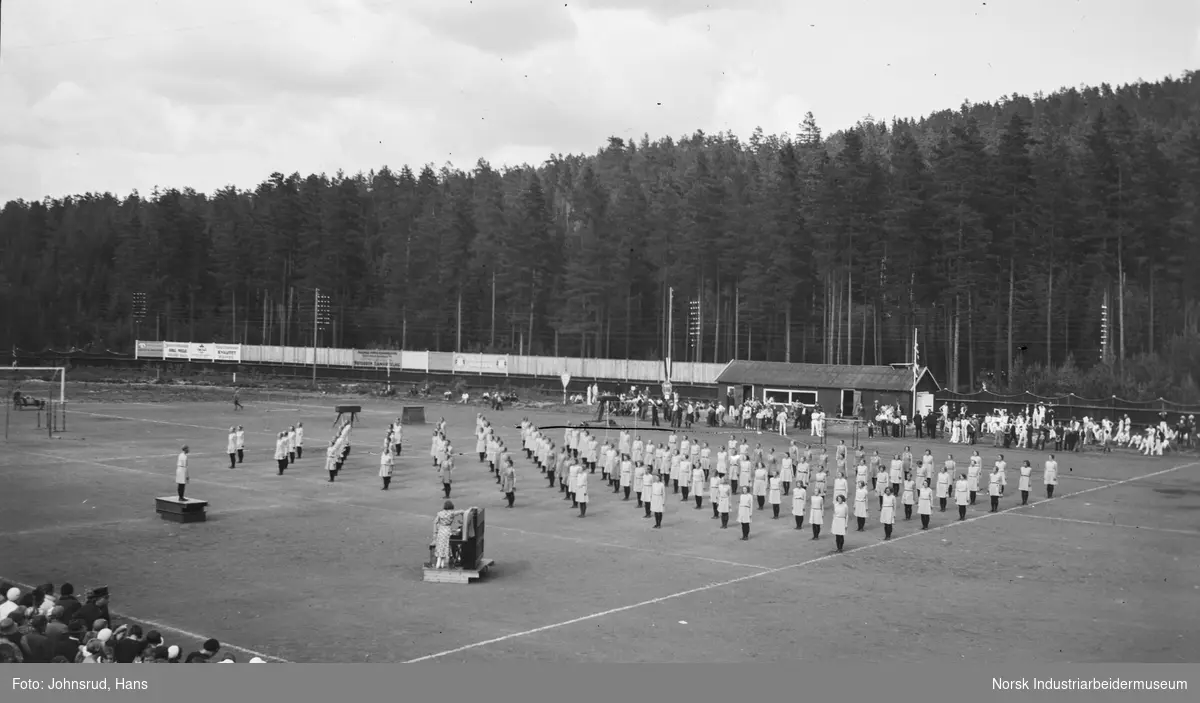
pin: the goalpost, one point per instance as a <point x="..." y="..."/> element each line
<point x="40" y="389"/>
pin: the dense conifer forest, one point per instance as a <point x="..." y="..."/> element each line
<point x="998" y="230"/>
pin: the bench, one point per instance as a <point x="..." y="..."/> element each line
<point x="183" y="511"/>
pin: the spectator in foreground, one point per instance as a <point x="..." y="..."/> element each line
<point x="129" y="648"/>
<point x="12" y="596"/>
<point x="70" y="604"/>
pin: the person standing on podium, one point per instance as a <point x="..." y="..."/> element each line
<point x="181" y="472"/>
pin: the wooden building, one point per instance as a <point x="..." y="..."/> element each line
<point x="837" y="389"/>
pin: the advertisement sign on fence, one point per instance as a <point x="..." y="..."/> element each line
<point x="149" y="350"/>
<point x="198" y="351"/>
<point x="228" y="352"/>
<point x="175" y="350"/>
<point x="481" y="363"/>
<point x="378" y="358"/>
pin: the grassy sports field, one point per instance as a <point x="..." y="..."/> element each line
<point x="297" y="569"/>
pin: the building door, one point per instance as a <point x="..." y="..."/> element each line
<point x="847" y="403"/>
<point x="924" y="402"/>
<point x="747" y="393"/>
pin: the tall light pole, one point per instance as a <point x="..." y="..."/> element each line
<point x="320" y="317"/>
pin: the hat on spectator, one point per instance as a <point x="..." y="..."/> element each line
<point x="8" y="627"/>
<point x="257" y="660"/>
<point x="99" y="624"/>
<point x="104" y="635"/>
<point x="153" y="637"/>
<point x="173" y="652"/>
<point x="95" y="647"/>
<point x="57" y="612"/>
<point x="161" y="652"/>
<point x="14" y="594"/>
<point x="212" y="646"/>
<point x="77" y="627"/>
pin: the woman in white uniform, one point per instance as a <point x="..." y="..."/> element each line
<point x="385" y="467"/>
<point x="841" y="487"/>
<point x="887" y="514"/>
<point x="925" y="504"/>
<point x="881" y="482"/>
<point x="745" y="511"/>
<point x="581" y="491"/>
<point x="697" y="485"/>
<point x="1050" y="476"/>
<point x="961" y="496"/>
<point x="799" y="504"/>
<point x="974" y="470"/>
<point x="626" y="480"/>
<point x="996" y="483"/>
<point x="658" y="500"/>
<point x="816" y="515"/>
<point x="760" y="486"/>
<point x="860" y="505"/>
<point x="231" y="447"/>
<point x="909" y="495"/>
<point x="648" y="479"/>
<point x="774" y="495"/>
<point x="724" y="497"/>
<point x="1023" y="482"/>
<point x="839" y="521"/>
<point x="786" y="474"/>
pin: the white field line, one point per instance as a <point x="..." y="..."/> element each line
<point x="1097" y="523"/>
<point x="790" y="567"/>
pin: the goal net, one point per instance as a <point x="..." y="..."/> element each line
<point x="36" y="399"/>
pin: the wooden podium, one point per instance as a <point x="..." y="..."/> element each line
<point x="466" y="553"/>
<point x="186" y="510"/>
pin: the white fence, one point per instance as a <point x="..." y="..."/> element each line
<point x="633" y="371"/>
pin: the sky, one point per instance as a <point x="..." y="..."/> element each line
<point x="117" y="95"/>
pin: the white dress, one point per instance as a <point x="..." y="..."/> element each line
<point x="817" y="514"/>
<point x="839" y="519"/>
<point x="887" y="516"/>
<point x="745" y="508"/>
<point x="581" y="487"/>
<point x="799" y="502"/>
<point x="657" y="497"/>
<point x="860" y="503"/>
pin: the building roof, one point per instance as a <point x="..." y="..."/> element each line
<point x="813" y="376"/>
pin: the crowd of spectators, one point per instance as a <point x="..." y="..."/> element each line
<point x="48" y="625"/>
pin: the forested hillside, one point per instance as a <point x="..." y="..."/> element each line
<point x="998" y="230"/>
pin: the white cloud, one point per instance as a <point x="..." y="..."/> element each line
<point x="126" y="94"/>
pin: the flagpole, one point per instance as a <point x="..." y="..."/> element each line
<point x="915" y="375"/>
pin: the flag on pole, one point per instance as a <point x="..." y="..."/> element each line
<point x="916" y="364"/>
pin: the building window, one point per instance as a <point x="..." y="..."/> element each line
<point x="779" y="395"/>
